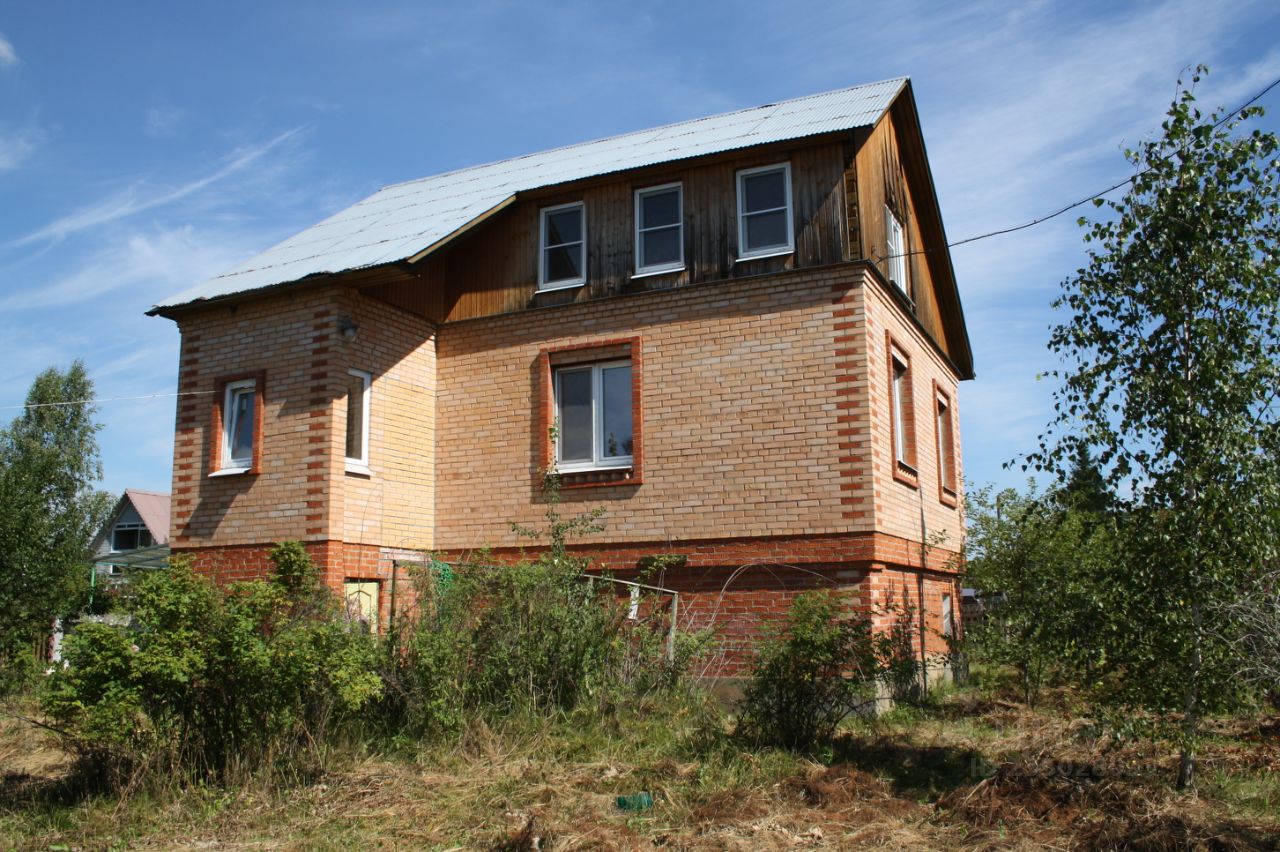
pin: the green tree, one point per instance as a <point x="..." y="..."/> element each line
<point x="1039" y="559"/>
<point x="49" y="510"/>
<point x="1171" y="373"/>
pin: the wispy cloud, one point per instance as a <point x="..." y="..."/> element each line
<point x="8" y="56"/>
<point x="19" y="143"/>
<point x="147" y="265"/>
<point x="135" y="199"/>
<point x="160" y="121"/>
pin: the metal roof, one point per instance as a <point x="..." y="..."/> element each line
<point x="154" y="509"/>
<point x="400" y="221"/>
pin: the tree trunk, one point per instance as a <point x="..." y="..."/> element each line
<point x="1191" y="705"/>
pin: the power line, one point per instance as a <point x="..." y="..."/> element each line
<point x="103" y="399"/>
<point x="1227" y="117"/>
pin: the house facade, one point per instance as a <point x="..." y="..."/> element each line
<point x="741" y="335"/>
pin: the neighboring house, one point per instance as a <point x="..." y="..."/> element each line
<point x="140" y="519"/>
<point x="746" y="328"/>
<point x="135" y="535"/>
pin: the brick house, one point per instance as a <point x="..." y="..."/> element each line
<point x="746" y="327"/>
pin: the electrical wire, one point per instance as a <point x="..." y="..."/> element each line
<point x="100" y="400"/>
<point x="1227" y="117"/>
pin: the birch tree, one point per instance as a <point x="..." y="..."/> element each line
<point x="1169" y="371"/>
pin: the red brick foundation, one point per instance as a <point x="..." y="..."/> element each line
<point x="734" y="586"/>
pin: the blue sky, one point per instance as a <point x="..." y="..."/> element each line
<point x="145" y="147"/>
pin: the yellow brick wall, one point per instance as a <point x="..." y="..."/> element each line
<point x="290" y="339"/>
<point x="739" y="414"/>
<point x="303" y="490"/>
<point x="915" y="513"/>
<point x="394" y="505"/>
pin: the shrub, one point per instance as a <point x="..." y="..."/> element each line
<point x="821" y="664"/>
<point x="537" y="636"/>
<point x="818" y="669"/>
<point x="206" y="682"/>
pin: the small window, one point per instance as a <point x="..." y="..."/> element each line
<point x="130" y="536"/>
<point x="764" y="211"/>
<point x="896" y="251"/>
<point x="593" y="412"/>
<point x="359" y="385"/>
<point x="563" y="257"/>
<point x="238" y="421"/>
<point x="948" y="618"/>
<point x="660" y="229"/>
<point x="361" y="598"/>
<point x="946" y="448"/>
<point x="900" y="396"/>
<point x="902" y="416"/>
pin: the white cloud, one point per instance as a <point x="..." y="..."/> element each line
<point x="8" y="56"/>
<point x="134" y="199"/>
<point x="17" y="144"/>
<point x="161" y="122"/>
<point x="147" y="265"/>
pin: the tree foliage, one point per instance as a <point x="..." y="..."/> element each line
<point x="1171" y="372"/>
<point x="208" y="682"/>
<point x="49" y="509"/>
<point x="1040" y="561"/>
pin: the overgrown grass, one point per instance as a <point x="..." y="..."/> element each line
<point x="974" y="770"/>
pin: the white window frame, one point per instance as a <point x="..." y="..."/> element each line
<point x="896" y="250"/>
<point x="361" y="464"/>
<point x="678" y="264"/>
<point x="900" y="388"/>
<point x="543" y="284"/>
<point x="234" y="389"/>
<point x="598" y="461"/>
<point x="770" y="251"/>
<point x="945" y="426"/>
<point x="948" y="616"/>
<point x="130" y="526"/>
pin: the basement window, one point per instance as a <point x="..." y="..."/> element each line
<point x="362" y="599"/>
<point x="764" y="212"/>
<point x="659" y="229"/>
<point x="593" y="412"/>
<point x="562" y="258"/>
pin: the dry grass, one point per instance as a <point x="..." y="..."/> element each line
<point x="972" y="774"/>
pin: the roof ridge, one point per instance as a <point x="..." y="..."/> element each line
<point x="656" y="129"/>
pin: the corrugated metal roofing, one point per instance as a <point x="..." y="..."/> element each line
<point x="401" y="220"/>
<point x="154" y="509"/>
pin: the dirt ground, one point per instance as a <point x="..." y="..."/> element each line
<point x="967" y="774"/>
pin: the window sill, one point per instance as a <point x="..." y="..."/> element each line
<point x="599" y="477"/>
<point x="649" y="273"/>
<point x="358" y="468"/>
<point x="948" y="497"/>
<point x="231" y="471"/>
<point x="764" y="255"/>
<point x="906" y="474"/>
<point x="551" y="288"/>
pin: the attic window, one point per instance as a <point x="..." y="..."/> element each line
<point x="659" y="229"/>
<point x="130" y="536"/>
<point x="764" y="212"/>
<point x="562" y="260"/>
<point x="896" y="251"/>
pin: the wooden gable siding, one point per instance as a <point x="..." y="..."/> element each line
<point x="885" y="173"/>
<point x="494" y="269"/>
